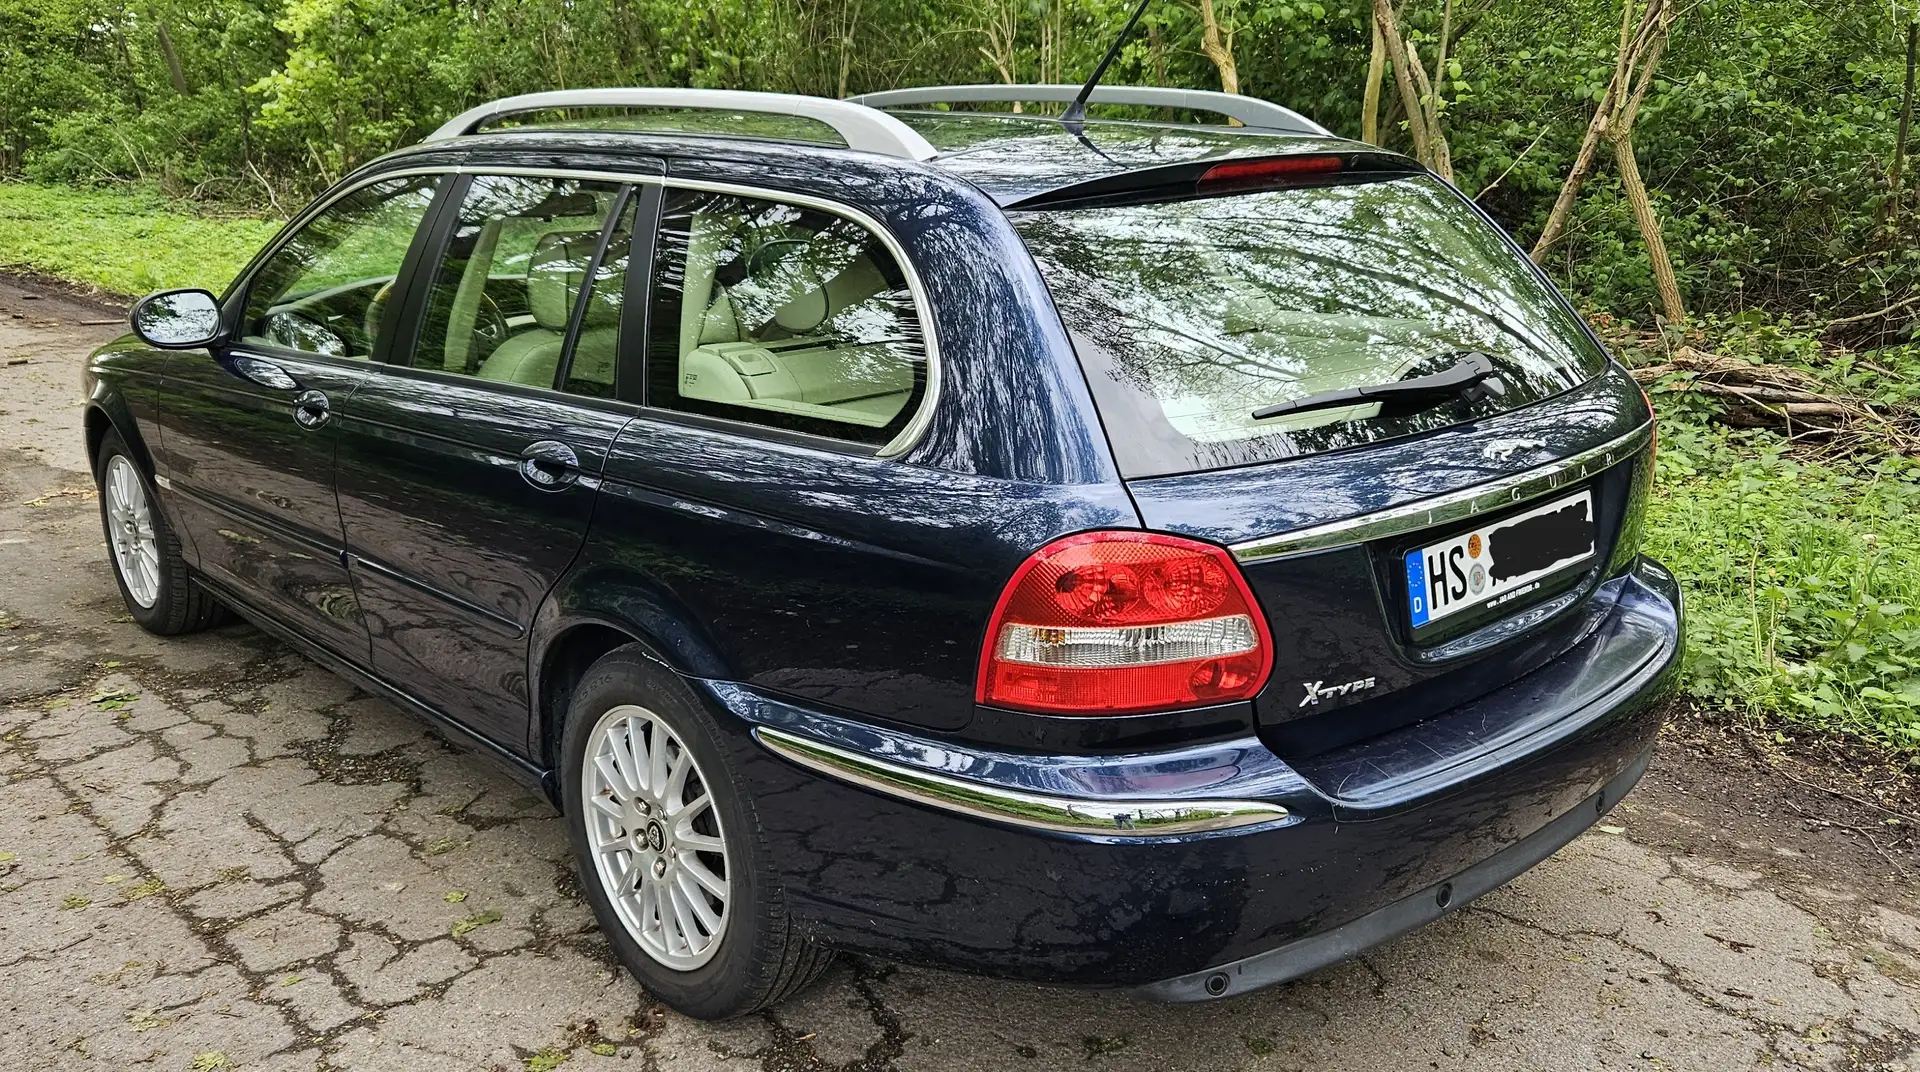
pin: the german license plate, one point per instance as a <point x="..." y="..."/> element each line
<point x="1500" y="561"/>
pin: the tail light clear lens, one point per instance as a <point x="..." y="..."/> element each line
<point x="1108" y="623"/>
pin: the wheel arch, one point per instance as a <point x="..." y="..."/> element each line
<point x="101" y="417"/>
<point x="591" y="612"/>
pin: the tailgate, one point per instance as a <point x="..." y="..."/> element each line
<point x="1328" y="543"/>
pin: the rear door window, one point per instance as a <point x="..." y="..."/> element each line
<point x="784" y="316"/>
<point x="518" y="263"/>
<point x="1189" y="315"/>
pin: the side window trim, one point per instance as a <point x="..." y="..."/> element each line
<point x="233" y="303"/>
<point x="633" y="358"/>
<point x="577" y="316"/>
<point x="636" y="318"/>
<point x="910" y="433"/>
<point x="428" y="247"/>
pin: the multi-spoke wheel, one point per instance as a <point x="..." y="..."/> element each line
<point x="658" y="845"/>
<point x="136" y="550"/>
<point x="670" y="852"/>
<point x="154" y="580"/>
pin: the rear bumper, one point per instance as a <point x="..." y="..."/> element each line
<point x="1316" y="951"/>
<point x="1181" y="871"/>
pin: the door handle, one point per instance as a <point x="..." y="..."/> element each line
<point x="311" y="409"/>
<point x="264" y="373"/>
<point x="549" y="465"/>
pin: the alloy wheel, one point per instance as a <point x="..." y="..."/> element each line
<point x="658" y="847"/>
<point x="136" y="547"/>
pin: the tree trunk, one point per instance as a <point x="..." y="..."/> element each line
<point x="1403" y="78"/>
<point x="1590" y="143"/>
<point x="1376" y="74"/>
<point x="1003" y="37"/>
<point x="1663" y="278"/>
<point x="1442" y="162"/>
<point x="174" y="74"/>
<point x="126" y="61"/>
<point x="1218" y="49"/>
<point x="1892" y="211"/>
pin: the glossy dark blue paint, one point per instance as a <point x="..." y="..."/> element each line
<point x="1371" y="823"/>
<point x="813" y="587"/>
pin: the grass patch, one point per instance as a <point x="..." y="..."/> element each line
<point x="125" y="241"/>
<point x="1801" y="563"/>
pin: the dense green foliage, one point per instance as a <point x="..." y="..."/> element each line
<point x="1802" y="576"/>
<point x="1766" y="141"/>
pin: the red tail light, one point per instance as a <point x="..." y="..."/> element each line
<point x="1109" y="623"/>
<point x="1270" y="172"/>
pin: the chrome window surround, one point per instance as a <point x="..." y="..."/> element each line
<point x="908" y="436"/>
<point x="1034" y="811"/>
<point x="1453" y="506"/>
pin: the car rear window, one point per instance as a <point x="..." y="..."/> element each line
<point x="1189" y="315"/>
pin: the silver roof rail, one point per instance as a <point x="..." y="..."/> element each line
<point x="1252" y="111"/>
<point x="866" y="129"/>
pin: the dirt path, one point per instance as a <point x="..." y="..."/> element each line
<point x="213" y="854"/>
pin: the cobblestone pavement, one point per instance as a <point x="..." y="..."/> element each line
<point x="215" y="855"/>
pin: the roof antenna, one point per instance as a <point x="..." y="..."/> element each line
<point x="1075" y="117"/>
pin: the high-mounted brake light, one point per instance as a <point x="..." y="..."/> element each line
<point x="1279" y="169"/>
<point x="1109" y="623"/>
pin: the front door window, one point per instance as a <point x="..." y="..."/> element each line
<point x="327" y="290"/>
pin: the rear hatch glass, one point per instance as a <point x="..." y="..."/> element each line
<point x="1190" y="315"/>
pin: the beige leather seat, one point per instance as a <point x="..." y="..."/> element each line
<point x="553" y="284"/>
<point x="782" y="364"/>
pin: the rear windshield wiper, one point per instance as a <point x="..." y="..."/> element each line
<point x="1471" y="377"/>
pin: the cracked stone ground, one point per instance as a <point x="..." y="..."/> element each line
<point x="215" y="855"/>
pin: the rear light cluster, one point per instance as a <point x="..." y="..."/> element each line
<point x="1109" y="623"/>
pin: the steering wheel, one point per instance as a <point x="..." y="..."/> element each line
<point x="489" y="331"/>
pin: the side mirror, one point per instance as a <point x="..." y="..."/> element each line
<point x="176" y="319"/>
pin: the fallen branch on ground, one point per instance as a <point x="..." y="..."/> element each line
<point x="1780" y="396"/>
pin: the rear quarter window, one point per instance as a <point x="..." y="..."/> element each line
<point x="1189" y="315"/>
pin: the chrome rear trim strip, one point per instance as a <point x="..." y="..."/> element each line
<point x="1035" y="811"/>
<point x="1453" y="506"/>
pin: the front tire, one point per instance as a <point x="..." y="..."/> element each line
<point x="669" y="849"/>
<point x="159" y="591"/>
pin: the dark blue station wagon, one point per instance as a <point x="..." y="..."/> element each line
<point x="1137" y="554"/>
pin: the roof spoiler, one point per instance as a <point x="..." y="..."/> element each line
<point x="1242" y="172"/>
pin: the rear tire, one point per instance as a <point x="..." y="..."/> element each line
<point x="154" y="580"/>
<point x="669" y="848"/>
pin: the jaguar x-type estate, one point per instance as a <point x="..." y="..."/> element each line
<point x="1164" y="555"/>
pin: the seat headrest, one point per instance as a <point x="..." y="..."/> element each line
<point x="559" y="264"/>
